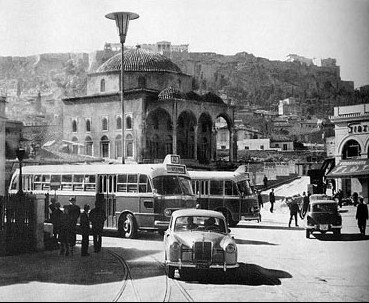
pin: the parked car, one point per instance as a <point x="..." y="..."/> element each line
<point x="198" y="239"/>
<point x="323" y="216"/>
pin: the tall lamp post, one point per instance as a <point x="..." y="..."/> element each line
<point x="122" y="20"/>
<point x="20" y="152"/>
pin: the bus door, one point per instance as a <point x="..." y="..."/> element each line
<point x="145" y="217"/>
<point x="202" y="191"/>
<point x="107" y="187"/>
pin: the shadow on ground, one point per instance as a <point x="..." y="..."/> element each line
<point x="245" y="274"/>
<point x="342" y="237"/>
<point x="50" y="267"/>
<point x="253" y="242"/>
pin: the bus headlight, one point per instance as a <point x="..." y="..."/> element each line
<point x="167" y="212"/>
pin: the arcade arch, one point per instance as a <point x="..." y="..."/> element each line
<point x="186" y="126"/>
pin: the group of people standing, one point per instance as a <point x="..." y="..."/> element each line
<point x="65" y="225"/>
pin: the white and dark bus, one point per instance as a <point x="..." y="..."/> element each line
<point x="136" y="196"/>
<point x="230" y="193"/>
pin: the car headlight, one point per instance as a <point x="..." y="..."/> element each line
<point x="231" y="248"/>
<point x="175" y="246"/>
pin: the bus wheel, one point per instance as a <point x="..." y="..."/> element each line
<point x="127" y="226"/>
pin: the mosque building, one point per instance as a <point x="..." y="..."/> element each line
<point x="162" y="113"/>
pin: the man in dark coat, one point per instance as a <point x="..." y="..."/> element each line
<point x="85" y="230"/>
<point x="305" y="204"/>
<point x="294" y="209"/>
<point x="271" y="200"/>
<point x="265" y="180"/>
<point x="260" y="199"/>
<point x="361" y="215"/>
<point x="55" y="218"/>
<point x="97" y="218"/>
<point x="74" y="211"/>
<point x="65" y="232"/>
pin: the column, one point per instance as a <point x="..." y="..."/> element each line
<point x="2" y="145"/>
<point x="195" y="139"/>
<point x="231" y="144"/>
<point x="174" y="132"/>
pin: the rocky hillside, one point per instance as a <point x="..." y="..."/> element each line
<point x="243" y="78"/>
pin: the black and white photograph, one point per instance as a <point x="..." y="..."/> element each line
<point x="184" y="150"/>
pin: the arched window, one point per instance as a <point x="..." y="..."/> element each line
<point x="118" y="146"/>
<point x="104" y="147"/>
<point x="74" y="126"/>
<point x="88" y="125"/>
<point x="102" y="85"/>
<point x="88" y="146"/>
<point x="351" y="149"/>
<point x="104" y="123"/>
<point x="129" y="145"/>
<point x="128" y="122"/>
<point x="141" y="82"/>
<point x="119" y="122"/>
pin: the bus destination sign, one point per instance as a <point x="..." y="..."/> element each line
<point x="179" y="169"/>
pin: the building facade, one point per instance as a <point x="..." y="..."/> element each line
<point x="351" y="149"/>
<point x="162" y="113"/>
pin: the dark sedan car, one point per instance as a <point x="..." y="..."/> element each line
<point x="323" y="216"/>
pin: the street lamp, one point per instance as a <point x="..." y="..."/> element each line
<point x="20" y="152"/>
<point x="122" y="20"/>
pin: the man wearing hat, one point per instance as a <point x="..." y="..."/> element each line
<point x="74" y="212"/>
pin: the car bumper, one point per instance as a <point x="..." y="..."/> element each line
<point x="180" y="265"/>
<point x="319" y="227"/>
<point x="161" y="224"/>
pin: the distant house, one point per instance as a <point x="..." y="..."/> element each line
<point x="281" y="142"/>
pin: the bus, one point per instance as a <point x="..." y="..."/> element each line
<point x="230" y="193"/>
<point x="136" y="196"/>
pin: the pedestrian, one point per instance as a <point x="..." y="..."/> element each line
<point x="260" y="199"/>
<point x="55" y="218"/>
<point x="97" y="218"/>
<point x="65" y="232"/>
<point x="271" y="200"/>
<point x="339" y="197"/>
<point x="294" y="209"/>
<point x="305" y="204"/>
<point x="85" y="230"/>
<point x="265" y="180"/>
<point x="355" y="198"/>
<point x="74" y="211"/>
<point x="361" y="215"/>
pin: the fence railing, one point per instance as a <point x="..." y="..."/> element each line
<point x="17" y="225"/>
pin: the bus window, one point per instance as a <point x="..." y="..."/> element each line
<point x="15" y="183"/>
<point x="55" y="179"/>
<point x="144" y="184"/>
<point x="205" y="188"/>
<point x="45" y="182"/>
<point x="90" y="183"/>
<point x="230" y="188"/>
<point x="78" y="182"/>
<point x="216" y="187"/>
<point x="67" y="182"/>
<point x="185" y="186"/>
<point x="37" y="182"/>
<point x="244" y="187"/>
<point x="122" y="183"/>
<point x="132" y="183"/>
<point x="167" y="185"/>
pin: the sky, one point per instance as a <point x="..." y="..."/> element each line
<point x="271" y="29"/>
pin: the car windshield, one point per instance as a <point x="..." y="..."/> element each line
<point x="172" y="185"/>
<point x="244" y="187"/>
<point x="324" y="207"/>
<point x="319" y="197"/>
<point x="200" y="223"/>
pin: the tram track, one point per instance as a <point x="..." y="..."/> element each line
<point x="127" y="278"/>
<point x="170" y="284"/>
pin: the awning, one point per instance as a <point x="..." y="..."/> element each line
<point x="355" y="168"/>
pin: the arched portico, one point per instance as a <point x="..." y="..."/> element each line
<point x="186" y="135"/>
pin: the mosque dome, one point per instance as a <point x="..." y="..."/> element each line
<point x="139" y="60"/>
